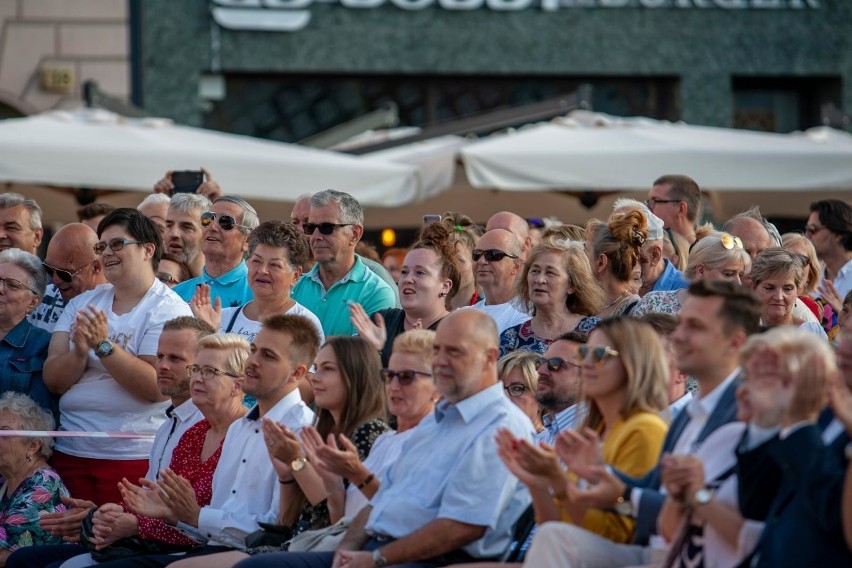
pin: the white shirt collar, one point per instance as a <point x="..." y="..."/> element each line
<point x="705" y="405"/>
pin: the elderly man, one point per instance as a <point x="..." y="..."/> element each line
<point x="830" y="230"/>
<point x="516" y="225"/>
<point x="225" y="230"/>
<point x="496" y="268"/>
<point x="183" y="229"/>
<point x="73" y="268"/>
<point x="301" y="210"/>
<point x="156" y="208"/>
<point x="463" y="505"/>
<point x="340" y="277"/>
<point x="20" y="223"/>
<point x="676" y="199"/>
<point x="756" y="233"/>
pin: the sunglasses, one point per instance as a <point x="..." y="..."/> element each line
<point x="12" y="285"/>
<point x="554" y="363"/>
<point x="515" y="390"/>
<point x="729" y="241"/>
<point x="324" y="228"/>
<point x="405" y="377"/>
<point x="64" y="275"/>
<point x="491" y="255"/>
<point x="599" y="354"/>
<point x="167" y="278"/>
<point x="207" y="373"/>
<point x="115" y="245"/>
<point x="225" y="221"/>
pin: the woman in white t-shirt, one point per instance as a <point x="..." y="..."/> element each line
<point x="102" y="356"/>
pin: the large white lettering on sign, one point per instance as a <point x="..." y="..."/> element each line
<point x="293" y="15"/>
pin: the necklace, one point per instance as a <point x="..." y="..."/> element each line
<point x="614" y="302"/>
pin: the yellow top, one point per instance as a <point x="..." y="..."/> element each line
<point x="632" y="446"/>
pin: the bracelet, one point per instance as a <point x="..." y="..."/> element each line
<point x="286" y="481"/>
<point x="366" y="481"/>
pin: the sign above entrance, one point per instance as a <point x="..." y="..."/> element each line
<point x="294" y="15"/>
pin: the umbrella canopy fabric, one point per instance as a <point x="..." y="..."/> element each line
<point x="100" y="150"/>
<point x="589" y="151"/>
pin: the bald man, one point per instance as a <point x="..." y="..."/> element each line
<point x="73" y="268"/>
<point x="516" y="225"/>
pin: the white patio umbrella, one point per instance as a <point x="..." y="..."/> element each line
<point x="101" y="150"/>
<point x="587" y="151"/>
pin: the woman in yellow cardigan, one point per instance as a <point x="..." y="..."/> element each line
<point x="623" y="379"/>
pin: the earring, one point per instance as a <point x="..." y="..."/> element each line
<point x="442" y="295"/>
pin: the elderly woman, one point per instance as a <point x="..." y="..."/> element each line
<point x="30" y="487"/>
<point x="518" y="372"/>
<point x="714" y="256"/>
<point x="613" y="248"/>
<point x="23" y="347"/>
<point x="776" y="276"/>
<point x="101" y="360"/>
<point x="559" y="290"/>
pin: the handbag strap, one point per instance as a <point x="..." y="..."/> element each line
<point x="233" y="319"/>
<point x="677" y="544"/>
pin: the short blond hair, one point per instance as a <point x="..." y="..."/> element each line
<point x="237" y="346"/>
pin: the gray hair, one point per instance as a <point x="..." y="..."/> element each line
<point x="11" y="199"/>
<point x="32" y="416"/>
<point x="155" y="199"/>
<point x="29" y="263"/>
<point x="250" y="221"/>
<point x="709" y="251"/>
<point x="655" y="224"/>
<point x="753" y="212"/>
<point x="189" y="202"/>
<point x="351" y="211"/>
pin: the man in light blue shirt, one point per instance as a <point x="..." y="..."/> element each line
<point x="449" y="498"/>
<point x="224" y="242"/>
<point x="335" y="225"/>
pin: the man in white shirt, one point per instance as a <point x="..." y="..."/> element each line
<point x="497" y="263"/>
<point x="516" y="225"/>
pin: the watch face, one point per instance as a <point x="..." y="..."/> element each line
<point x="703" y="496"/>
<point x="624" y="508"/>
<point x="298" y="464"/>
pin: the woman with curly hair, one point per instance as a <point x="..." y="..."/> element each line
<point x="464" y="234"/>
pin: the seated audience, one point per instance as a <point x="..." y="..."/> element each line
<point x="497" y="264"/>
<point x="518" y="371"/>
<point x="613" y="252"/>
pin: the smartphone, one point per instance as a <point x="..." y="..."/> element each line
<point x="429" y="219"/>
<point x="187" y="181"/>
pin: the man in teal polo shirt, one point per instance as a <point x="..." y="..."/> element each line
<point x="224" y="242"/>
<point x="335" y="225"/>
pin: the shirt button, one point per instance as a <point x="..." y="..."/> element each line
<point x="257" y="431"/>
<point x="233" y="491"/>
<point x="244" y="461"/>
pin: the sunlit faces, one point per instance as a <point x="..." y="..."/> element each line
<point x="413" y="400"/>
<point x="557" y="390"/>
<point x="777" y="296"/>
<point x="548" y="280"/>
<point x="15" y="231"/>
<point x="175" y="350"/>
<point x="131" y="262"/>
<point x="15" y="304"/>
<point x="753" y="234"/>
<point x="269" y="371"/>
<point x="700" y="341"/>
<point x="327" y="382"/>
<point x="605" y="378"/>
<point x="270" y="272"/>
<point x="216" y="242"/>
<point x="459" y="357"/>
<point x="519" y="392"/>
<point x="333" y="247"/>
<point x="664" y="206"/>
<point x="420" y="282"/>
<point x="495" y="273"/>
<point x="183" y="233"/>
<point x="214" y="391"/>
<point x="733" y="271"/>
<point x="82" y="272"/>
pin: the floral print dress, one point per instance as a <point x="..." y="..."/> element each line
<point x="523" y="337"/>
<point x="20" y="512"/>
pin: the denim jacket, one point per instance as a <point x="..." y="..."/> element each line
<point x="22" y="355"/>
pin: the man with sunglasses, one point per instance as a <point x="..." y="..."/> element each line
<point x="516" y="225"/>
<point x="676" y="200"/>
<point x="224" y="242"/>
<point x="559" y="385"/>
<point x="339" y="278"/>
<point x="73" y="268"/>
<point x="496" y="265"/>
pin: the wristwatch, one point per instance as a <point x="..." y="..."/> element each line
<point x="701" y="497"/>
<point x="105" y="348"/>
<point x="299" y="463"/>
<point x="623" y="506"/>
<point x="379" y="561"/>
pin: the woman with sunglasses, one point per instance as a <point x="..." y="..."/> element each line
<point x="101" y="360"/>
<point x="23" y="347"/>
<point x="714" y="256"/>
<point x="624" y="384"/>
<point x="776" y="277"/>
<point x="428" y="282"/>
<point x="612" y="248"/>
<point x="518" y="372"/>
<point x="557" y="286"/>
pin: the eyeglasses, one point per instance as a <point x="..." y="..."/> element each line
<point x="227" y="222"/>
<point x="12" y="285"/>
<point x="491" y="255"/>
<point x="405" y="377"/>
<point x="115" y="245"/>
<point x="813" y="229"/>
<point x="167" y="278"/>
<point x="653" y="202"/>
<point x="599" y="354"/>
<point x="324" y="228"/>
<point x="64" y="275"/>
<point x="515" y="390"/>
<point x="207" y="373"/>
<point x="729" y="241"/>
<point x="554" y="363"/>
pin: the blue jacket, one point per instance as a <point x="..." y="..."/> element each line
<point x="22" y="355"/>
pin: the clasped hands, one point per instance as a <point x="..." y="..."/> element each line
<point x="90" y="328"/>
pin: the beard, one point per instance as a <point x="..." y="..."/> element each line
<point x="551" y="401"/>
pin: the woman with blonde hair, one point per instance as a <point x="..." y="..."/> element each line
<point x="808" y="296"/>
<point x="518" y="372"/>
<point x="612" y="248"/>
<point x="558" y="288"/>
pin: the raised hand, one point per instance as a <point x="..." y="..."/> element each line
<point x="373" y="331"/>
<point x="203" y="308"/>
<point x="313" y="443"/>
<point x="580" y="451"/>
<point x="210" y="188"/>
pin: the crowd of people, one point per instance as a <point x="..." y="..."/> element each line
<point x="188" y="384"/>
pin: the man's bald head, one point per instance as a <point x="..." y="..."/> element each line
<point x="753" y="234"/>
<point x="464" y="359"/>
<point x="71" y="252"/>
<point x="515" y="224"/>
